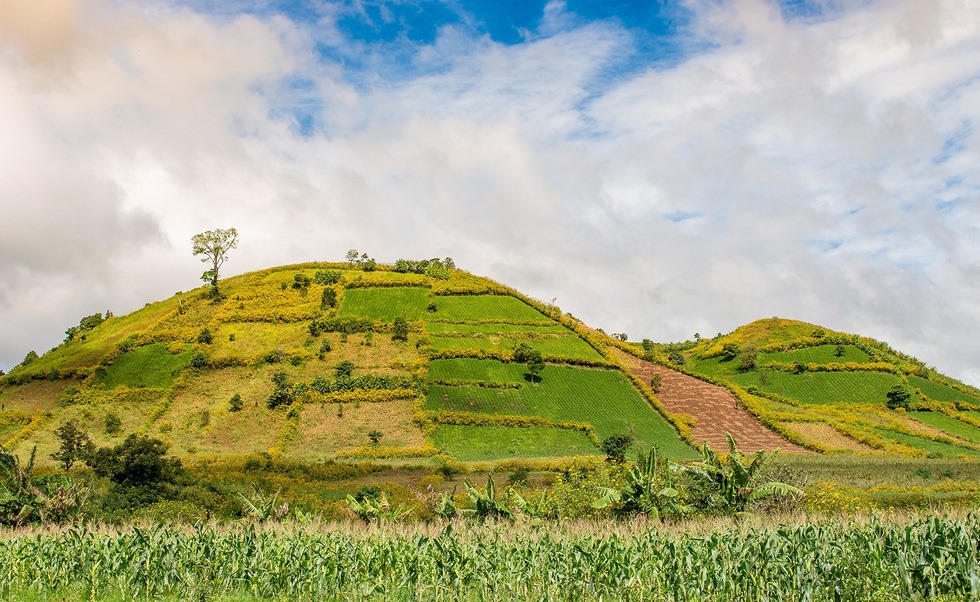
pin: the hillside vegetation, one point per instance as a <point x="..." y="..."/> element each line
<point x="325" y="361"/>
<point x="832" y="391"/>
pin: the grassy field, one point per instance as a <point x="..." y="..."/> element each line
<point x="447" y="328"/>
<point x="497" y="308"/>
<point x="147" y="366"/>
<point x="825" y="387"/>
<point x="603" y="398"/>
<point x="555" y="346"/>
<point x="949" y="424"/>
<point x="497" y="442"/>
<point x="327" y="428"/>
<point x="385" y="303"/>
<point x="940" y="392"/>
<point x="934" y="448"/>
<point x="820" y="354"/>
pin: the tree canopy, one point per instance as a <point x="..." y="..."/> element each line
<point x="214" y="245"/>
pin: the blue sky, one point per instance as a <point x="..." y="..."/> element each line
<point x="661" y="168"/>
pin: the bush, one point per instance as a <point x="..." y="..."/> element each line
<point x="676" y="358"/>
<point x="615" y="446"/>
<point x="205" y="337"/>
<point x="898" y="397"/>
<point x="329" y="298"/>
<point x="301" y="281"/>
<point x="112" y="424"/>
<point x="399" y="330"/>
<point x="199" y="359"/>
<point x="327" y="277"/>
<point x="235" y="404"/>
<point x="30" y="357"/>
<point x="655" y="381"/>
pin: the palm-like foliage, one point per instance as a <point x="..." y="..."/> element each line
<point x="487" y="503"/>
<point x="24" y="500"/>
<point x="736" y="478"/>
<point x="651" y="489"/>
<point x="378" y="509"/>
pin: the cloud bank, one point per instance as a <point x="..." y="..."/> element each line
<point x="816" y="166"/>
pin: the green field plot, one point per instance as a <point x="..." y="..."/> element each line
<point x="498" y="442"/>
<point x="385" y="303"/>
<point x="449" y="328"/>
<point x="603" y="398"/>
<point x="466" y="369"/>
<point x="938" y="392"/>
<point x="951" y="425"/>
<point x="148" y="366"/>
<point x="555" y="346"/>
<point x="820" y="354"/>
<point x="486" y="307"/>
<point x="933" y="448"/>
<point x="240" y="339"/>
<point x="480" y="400"/>
<point x="825" y="387"/>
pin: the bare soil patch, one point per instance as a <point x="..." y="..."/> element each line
<point x="715" y="408"/>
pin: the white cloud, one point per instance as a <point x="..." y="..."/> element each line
<point x="793" y="168"/>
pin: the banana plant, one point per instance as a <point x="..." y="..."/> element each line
<point x="378" y="509"/>
<point x="650" y="489"/>
<point x="735" y="478"/>
<point x="487" y="504"/>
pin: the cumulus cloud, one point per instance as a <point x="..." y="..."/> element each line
<point x="818" y="167"/>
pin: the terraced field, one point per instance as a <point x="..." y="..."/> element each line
<point x="824" y="387"/>
<point x="385" y="303"/>
<point x="496" y="442"/>
<point x="939" y="392"/>
<point x="558" y="346"/>
<point x="819" y="354"/>
<point x="951" y="425"/>
<point x="486" y="308"/>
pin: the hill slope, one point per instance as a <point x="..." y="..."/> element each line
<point x="316" y="360"/>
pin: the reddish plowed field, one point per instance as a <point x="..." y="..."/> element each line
<point x="716" y="409"/>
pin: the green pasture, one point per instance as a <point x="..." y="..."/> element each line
<point x="938" y="392"/>
<point x="449" y="328"/>
<point x="604" y="398"/>
<point x="951" y="425"/>
<point x="497" y="442"/>
<point x="820" y="354"/>
<point x="485" y="308"/>
<point x="557" y="346"/>
<point x="824" y="387"/>
<point x="933" y="448"/>
<point x="385" y="303"/>
<point x="147" y="366"/>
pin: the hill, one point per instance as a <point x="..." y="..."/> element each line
<point x="829" y="391"/>
<point x="324" y="361"/>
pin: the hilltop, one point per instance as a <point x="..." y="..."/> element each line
<point x="325" y="361"/>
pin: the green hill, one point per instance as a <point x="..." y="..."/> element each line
<point x="829" y="391"/>
<point x="314" y="354"/>
<point x="329" y="361"/>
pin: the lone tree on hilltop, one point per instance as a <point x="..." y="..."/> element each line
<point x="214" y="245"/>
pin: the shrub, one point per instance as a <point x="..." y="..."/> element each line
<point x="199" y="359"/>
<point x="327" y="277"/>
<point x="282" y="392"/>
<point x="344" y="369"/>
<point x="205" y="337"/>
<point x="898" y="397"/>
<point x="74" y="445"/>
<point x="676" y="358"/>
<point x="399" y="330"/>
<point x="329" y="298"/>
<point x="301" y="281"/>
<point x="112" y="424"/>
<point x="655" y="381"/>
<point x="616" y="445"/>
<point x="375" y="436"/>
<point x="30" y="357"/>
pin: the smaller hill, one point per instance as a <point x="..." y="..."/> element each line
<point x="833" y="391"/>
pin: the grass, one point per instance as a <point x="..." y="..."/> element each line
<point x="256" y="338"/>
<point x="437" y="328"/>
<point x="825" y="387"/>
<point x="933" y="448"/>
<point x="35" y="396"/>
<point x="496" y="442"/>
<point x="949" y="424"/>
<point x="604" y="398"/>
<point x="486" y="307"/>
<point x="322" y="432"/>
<point x="938" y="392"/>
<point x="385" y="303"/>
<point x="147" y="366"/>
<point x="820" y="354"/>
<point x="556" y="346"/>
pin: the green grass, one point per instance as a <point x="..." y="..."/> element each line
<point x="938" y="392"/>
<point x="385" y="303"/>
<point x="825" y="387"/>
<point x="557" y="346"/>
<point x="481" y="400"/>
<point x="147" y="366"/>
<point x="821" y="354"/>
<point x="604" y="398"/>
<point x="437" y="328"/>
<point x="486" y="307"/>
<point x="496" y="442"/>
<point x="949" y="424"/>
<point x="934" y="448"/>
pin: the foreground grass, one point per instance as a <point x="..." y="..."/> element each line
<point x="920" y="557"/>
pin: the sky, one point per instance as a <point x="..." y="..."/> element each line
<point x="659" y="168"/>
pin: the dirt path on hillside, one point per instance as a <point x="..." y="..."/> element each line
<point x="716" y="409"/>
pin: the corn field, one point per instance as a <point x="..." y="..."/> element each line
<point x="924" y="559"/>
